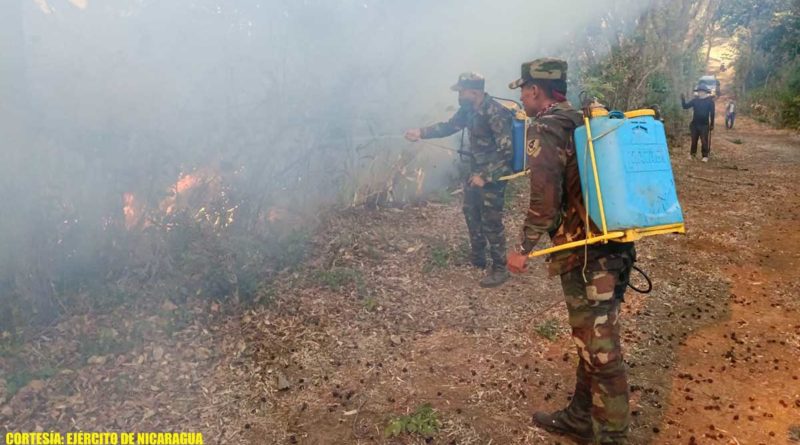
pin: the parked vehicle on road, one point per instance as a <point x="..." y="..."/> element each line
<point x="710" y="82"/>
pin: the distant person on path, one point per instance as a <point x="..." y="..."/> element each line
<point x="730" y="114"/>
<point x="702" y="120"/>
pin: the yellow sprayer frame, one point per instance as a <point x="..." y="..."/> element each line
<point x="617" y="236"/>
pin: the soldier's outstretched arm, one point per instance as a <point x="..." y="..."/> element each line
<point x="547" y="164"/>
<point x="444" y="129"/>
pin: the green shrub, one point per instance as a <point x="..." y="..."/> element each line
<point x="339" y="278"/>
<point x="439" y="257"/>
<point x="20" y="378"/>
<point x="422" y="421"/>
<point x="548" y="329"/>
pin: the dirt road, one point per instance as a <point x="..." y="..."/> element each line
<point x="735" y="378"/>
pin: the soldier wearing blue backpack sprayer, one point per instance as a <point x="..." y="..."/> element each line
<point x="489" y="124"/>
<point x="593" y="278"/>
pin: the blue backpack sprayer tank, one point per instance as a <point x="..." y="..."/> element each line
<point x="519" y="125"/>
<point x="627" y="182"/>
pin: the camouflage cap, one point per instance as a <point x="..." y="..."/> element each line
<point x="469" y="81"/>
<point x="545" y="68"/>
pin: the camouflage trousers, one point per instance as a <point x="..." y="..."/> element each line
<point x="483" y="210"/>
<point x="600" y="401"/>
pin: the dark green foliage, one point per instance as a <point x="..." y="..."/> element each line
<point x="20" y="378"/>
<point x="767" y="67"/>
<point x="658" y="61"/>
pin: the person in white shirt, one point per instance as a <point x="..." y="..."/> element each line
<point x="730" y="114"/>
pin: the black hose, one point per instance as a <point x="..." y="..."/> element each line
<point x="649" y="282"/>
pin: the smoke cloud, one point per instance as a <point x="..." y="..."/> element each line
<point x="106" y="106"/>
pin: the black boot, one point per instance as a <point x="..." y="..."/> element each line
<point x="560" y="422"/>
<point x="575" y="420"/>
<point x="495" y="278"/>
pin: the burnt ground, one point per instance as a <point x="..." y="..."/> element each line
<point x="387" y="317"/>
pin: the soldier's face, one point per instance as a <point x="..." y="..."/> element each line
<point x="463" y="98"/>
<point x="467" y="97"/>
<point x="529" y="96"/>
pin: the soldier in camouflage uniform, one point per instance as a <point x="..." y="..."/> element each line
<point x="593" y="279"/>
<point x="489" y="125"/>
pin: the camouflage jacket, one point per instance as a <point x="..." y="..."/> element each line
<point x="556" y="202"/>
<point x="489" y="137"/>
